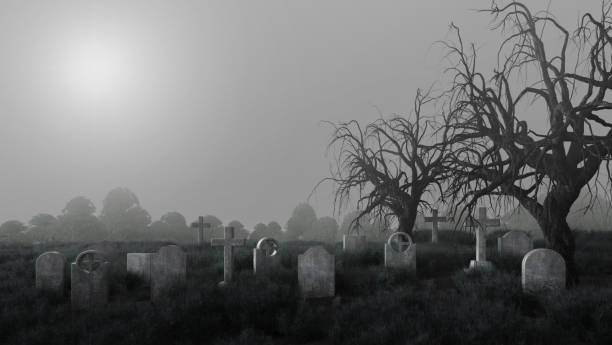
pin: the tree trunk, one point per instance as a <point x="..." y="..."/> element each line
<point x="407" y="219"/>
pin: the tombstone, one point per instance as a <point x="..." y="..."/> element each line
<point x="400" y="252"/>
<point x="228" y="243"/>
<point x="50" y="272"/>
<point x="543" y="271"/>
<point x="354" y="243"/>
<point x="481" y="239"/>
<point x="90" y="280"/>
<point x="266" y="256"/>
<point x="140" y="264"/>
<point x="514" y="243"/>
<point x="434" y="219"/>
<point x="200" y="227"/>
<point x="168" y="266"/>
<point x="316" y="273"/>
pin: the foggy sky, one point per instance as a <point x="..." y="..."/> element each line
<point x="219" y="103"/>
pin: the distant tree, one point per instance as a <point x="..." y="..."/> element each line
<point x="11" y="230"/>
<point x="372" y="227"/>
<point x="273" y="230"/>
<point x="239" y="230"/>
<point x="216" y="224"/>
<point x="324" y="229"/>
<point x="301" y="221"/>
<point x="78" y="222"/>
<point x="172" y="226"/>
<point x="43" y="227"/>
<point x="123" y="216"/>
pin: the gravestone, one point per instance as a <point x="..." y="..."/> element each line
<point x="481" y="239"/>
<point x="515" y="243"/>
<point x="200" y="227"/>
<point x="434" y="220"/>
<point x="50" y="272"/>
<point x="168" y="267"/>
<point x="228" y="243"/>
<point x="316" y="273"/>
<point x="400" y="252"/>
<point x="354" y="243"/>
<point x="90" y="280"/>
<point x="140" y="264"/>
<point x="543" y="272"/>
<point x="266" y="256"/>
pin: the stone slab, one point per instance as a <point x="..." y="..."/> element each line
<point x="168" y="267"/>
<point x="543" y="272"/>
<point x="51" y="272"/>
<point x="514" y="243"/>
<point x="316" y="273"/>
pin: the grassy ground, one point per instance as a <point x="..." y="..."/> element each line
<point x="443" y="305"/>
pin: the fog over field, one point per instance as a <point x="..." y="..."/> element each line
<point x="208" y="107"/>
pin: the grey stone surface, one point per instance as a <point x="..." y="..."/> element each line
<point x="481" y="239"/>
<point x="543" y="272"/>
<point x="200" y="228"/>
<point x="228" y="243"/>
<point x="514" y="243"/>
<point x="140" y="264"/>
<point x="354" y="243"/>
<point x="168" y="267"/>
<point x="89" y="281"/>
<point x="50" y="272"/>
<point x="400" y="252"/>
<point x="316" y="273"/>
<point x="434" y="219"/>
<point x="266" y="256"/>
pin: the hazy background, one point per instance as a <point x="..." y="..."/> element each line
<point x="215" y="106"/>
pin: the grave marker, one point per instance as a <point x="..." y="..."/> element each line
<point x="400" y="252"/>
<point x="481" y="239"/>
<point x="200" y="227"/>
<point x="168" y="266"/>
<point x="516" y="243"/>
<point x="434" y="219"/>
<point x="140" y="264"/>
<point x="316" y="273"/>
<point x="543" y="272"/>
<point x="354" y="243"/>
<point x="50" y="272"/>
<point x="90" y="280"/>
<point x="228" y="243"/>
<point x="266" y="256"/>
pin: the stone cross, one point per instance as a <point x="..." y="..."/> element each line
<point x="200" y="226"/>
<point x="400" y="252"/>
<point x="228" y="243"/>
<point x="481" y="239"/>
<point x="434" y="219"/>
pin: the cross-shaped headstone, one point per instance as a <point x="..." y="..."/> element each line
<point x="481" y="231"/>
<point x="434" y="219"/>
<point x="200" y="226"/>
<point x="228" y="243"/>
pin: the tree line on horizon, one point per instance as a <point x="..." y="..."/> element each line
<point x="123" y="219"/>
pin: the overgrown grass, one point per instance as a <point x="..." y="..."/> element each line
<point x="442" y="305"/>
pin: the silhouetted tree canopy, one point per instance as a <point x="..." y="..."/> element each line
<point x="301" y="221"/>
<point x="324" y="229"/>
<point x="11" y="230"/>
<point x="78" y="222"/>
<point x="123" y="216"/>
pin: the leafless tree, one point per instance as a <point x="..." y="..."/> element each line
<point x="390" y="164"/>
<point x="496" y="153"/>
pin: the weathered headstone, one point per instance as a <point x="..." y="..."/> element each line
<point x="400" y="252"/>
<point x="50" y="272"/>
<point x="434" y="220"/>
<point x="266" y="256"/>
<point x="200" y="227"/>
<point x="481" y="239"/>
<point x="515" y="243"/>
<point x="543" y="271"/>
<point x="228" y="243"/>
<point x="168" y="266"/>
<point x="354" y="243"/>
<point x="90" y="280"/>
<point x="140" y="264"/>
<point x="316" y="273"/>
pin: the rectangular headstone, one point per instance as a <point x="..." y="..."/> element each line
<point x="50" y="272"/>
<point x="400" y="252"/>
<point x="140" y="264"/>
<point x="543" y="272"/>
<point x="514" y="243"/>
<point x="316" y="273"/>
<point x="354" y="243"/>
<point x="89" y="281"/>
<point x="168" y="267"/>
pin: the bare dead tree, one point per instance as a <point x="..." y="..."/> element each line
<point x="496" y="154"/>
<point x="389" y="165"/>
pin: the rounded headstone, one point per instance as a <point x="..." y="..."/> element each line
<point x="50" y="272"/>
<point x="515" y="243"/>
<point x="543" y="271"/>
<point x="316" y="273"/>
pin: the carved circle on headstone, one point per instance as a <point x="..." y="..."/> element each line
<point x="268" y="246"/>
<point x="90" y="260"/>
<point x="398" y="242"/>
